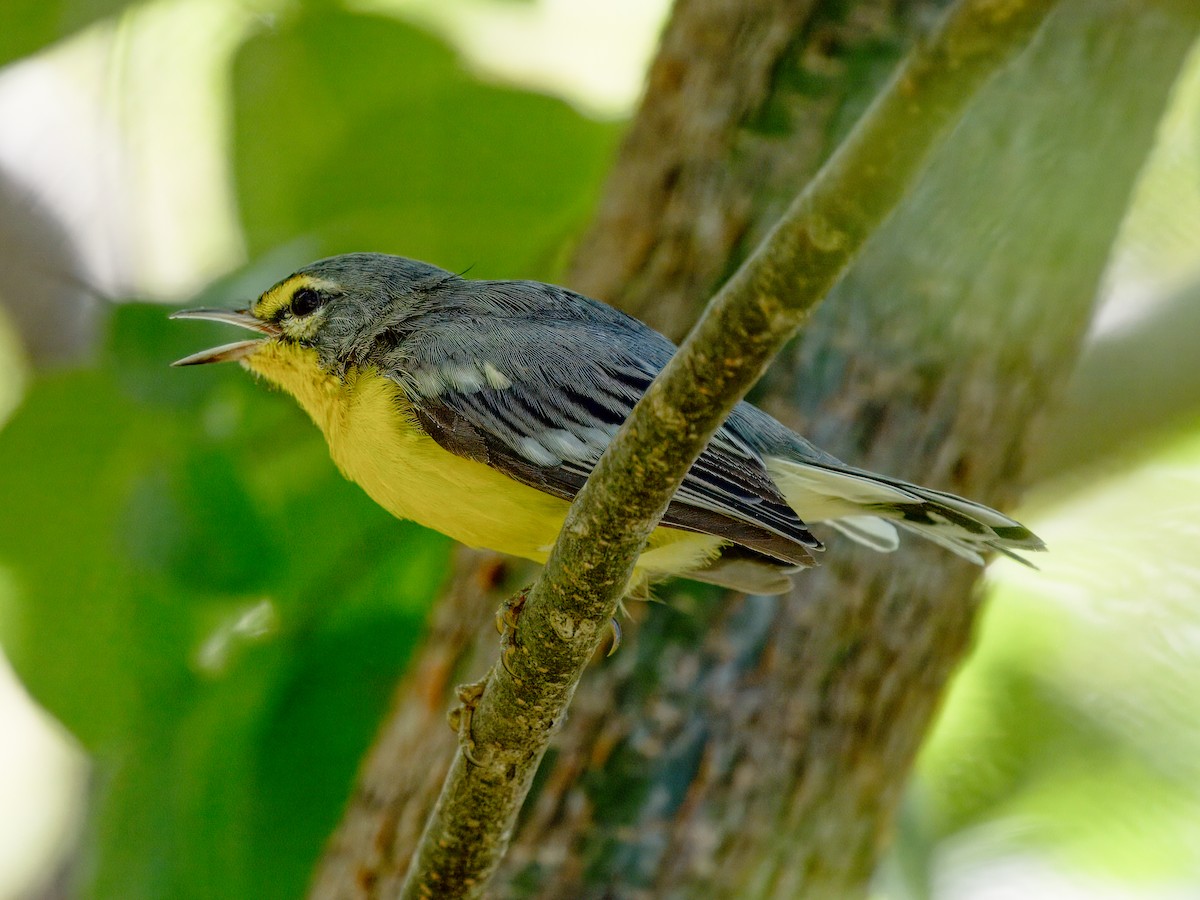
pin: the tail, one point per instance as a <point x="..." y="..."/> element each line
<point x="868" y="507"/>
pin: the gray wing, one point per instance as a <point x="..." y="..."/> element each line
<point x="538" y="396"/>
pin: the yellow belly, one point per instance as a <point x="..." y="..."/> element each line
<point x="377" y="444"/>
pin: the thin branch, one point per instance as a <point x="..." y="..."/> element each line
<point x="512" y="714"/>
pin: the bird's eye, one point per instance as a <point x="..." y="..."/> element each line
<point x="305" y="302"/>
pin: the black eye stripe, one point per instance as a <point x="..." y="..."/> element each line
<point x="306" y="301"/>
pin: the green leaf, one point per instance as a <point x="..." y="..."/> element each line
<point x="30" y="25"/>
<point x="366" y="134"/>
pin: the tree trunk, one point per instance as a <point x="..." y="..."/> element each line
<point x="752" y="746"/>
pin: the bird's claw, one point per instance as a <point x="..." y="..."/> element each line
<point x="615" y="627"/>
<point x="460" y="717"/>
<point x="506" y="623"/>
<point x="510" y="611"/>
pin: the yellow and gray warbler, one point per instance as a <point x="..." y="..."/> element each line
<point x="479" y="408"/>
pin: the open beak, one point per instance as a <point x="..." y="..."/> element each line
<point x="226" y="352"/>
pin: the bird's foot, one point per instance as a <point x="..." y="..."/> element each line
<point x="460" y="718"/>
<point x="615" y="627"/>
<point x="510" y="611"/>
<point x="507" y="618"/>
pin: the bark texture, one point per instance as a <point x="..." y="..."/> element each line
<point x="758" y="746"/>
<point x="506" y="720"/>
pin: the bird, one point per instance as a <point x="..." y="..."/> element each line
<point x="479" y="408"/>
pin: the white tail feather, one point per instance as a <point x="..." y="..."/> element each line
<point x="955" y="544"/>
<point x="871" y="531"/>
<point x="864" y="506"/>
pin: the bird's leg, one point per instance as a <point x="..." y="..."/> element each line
<point x="460" y="718"/>
<point x="506" y="623"/>
<point x="509" y="614"/>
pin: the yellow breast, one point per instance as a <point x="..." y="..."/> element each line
<point x="376" y="442"/>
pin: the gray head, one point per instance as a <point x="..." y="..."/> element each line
<point x="340" y="306"/>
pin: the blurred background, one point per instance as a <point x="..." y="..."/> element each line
<point x="201" y="622"/>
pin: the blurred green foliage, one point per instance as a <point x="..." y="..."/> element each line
<point x="1076" y="718"/>
<point x="364" y="132"/>
<point x="186" y="582"/>
<point x="27" y="26"/>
